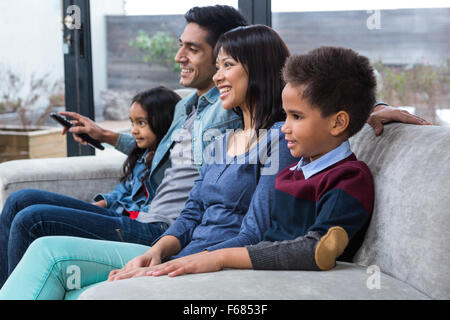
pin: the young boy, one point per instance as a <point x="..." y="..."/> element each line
<point x="322" y="203"/>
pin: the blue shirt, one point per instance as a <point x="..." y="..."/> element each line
<point x="130" y="194"/>
<point x="334" y="156"/>
<point x="225" y="192"/>
<point x="258" y="219"/>
<point x="211" y="121"/>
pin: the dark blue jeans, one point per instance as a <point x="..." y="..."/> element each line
<point x="30" y="214"/>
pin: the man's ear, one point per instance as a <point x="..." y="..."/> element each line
<point x="340" y="123"/>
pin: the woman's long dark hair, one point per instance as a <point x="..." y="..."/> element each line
<point x="159" y="103"/>
<point x="263" y="54"/>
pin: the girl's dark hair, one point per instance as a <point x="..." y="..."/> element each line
<point x="159" y="103"/>
<point x="263" y="53"/>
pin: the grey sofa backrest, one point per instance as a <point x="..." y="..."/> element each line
<point x="409" y="234"/>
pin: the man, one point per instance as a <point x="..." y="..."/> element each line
<point x="194" y="115"/>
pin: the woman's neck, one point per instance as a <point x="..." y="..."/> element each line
<point x="242" y="141"/>
<point x="249" y="123"/>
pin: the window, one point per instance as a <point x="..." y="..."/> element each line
<point x="140" y="40"/>
<point x="408" y="45"/>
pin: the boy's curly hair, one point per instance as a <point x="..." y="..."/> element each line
<point x="335" y="79"/>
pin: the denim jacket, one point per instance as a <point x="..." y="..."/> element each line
<point x="128" y="195"/>
<point x="211" y="121"/>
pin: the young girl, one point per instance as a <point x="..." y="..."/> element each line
<point x="151" y="115"/>
<point x="30" y="214"/>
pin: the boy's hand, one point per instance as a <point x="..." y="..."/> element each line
<point x="384" y="114"/>
<point x="196" y="263"/>
<point x="236" y="258"/>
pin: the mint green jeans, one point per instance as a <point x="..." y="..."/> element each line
<point x="60" y="267"/>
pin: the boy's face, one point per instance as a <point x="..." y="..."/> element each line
<point x="195" y="57"/>
<point x="307" y="132"/>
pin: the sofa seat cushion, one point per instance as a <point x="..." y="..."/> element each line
<point x="345" y="281"/>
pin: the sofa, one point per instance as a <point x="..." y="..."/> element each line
<point x="405" y="253"/>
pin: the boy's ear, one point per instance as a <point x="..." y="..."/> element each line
<point x="340" y="122"/>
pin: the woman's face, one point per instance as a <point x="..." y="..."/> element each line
<point x="232" y="81"/>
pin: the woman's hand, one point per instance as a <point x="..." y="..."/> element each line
<point x="166" y="247"/>
<point x="196" y="263"/>
<point x="384" y="114"/>
<point x="136" y="267"/>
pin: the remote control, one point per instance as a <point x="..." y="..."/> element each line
<point x="66" y="123"/>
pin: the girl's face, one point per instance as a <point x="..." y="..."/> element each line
<point x="232" y="81"/>
<point x="140" y="127"/>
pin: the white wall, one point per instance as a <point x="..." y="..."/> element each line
<point x="31" y="38"/>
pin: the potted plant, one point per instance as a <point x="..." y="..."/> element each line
<point x="24" y="109"/>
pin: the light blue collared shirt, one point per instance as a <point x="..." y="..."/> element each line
<point x="334" y="156"/>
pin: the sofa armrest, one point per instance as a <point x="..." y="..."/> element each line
<point x="78" y="177"/>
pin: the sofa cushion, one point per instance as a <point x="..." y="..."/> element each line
<point x="346" y="281"/>
<point x="79" y="177"/>
<point x="409" y="236"/>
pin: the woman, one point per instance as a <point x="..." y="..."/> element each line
<point x="235" y="180"/>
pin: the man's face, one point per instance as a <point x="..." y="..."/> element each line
<point x="195" y="57"/>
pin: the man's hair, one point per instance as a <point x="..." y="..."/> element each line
<point x="216" y="19"/>
<point x="335" y="79"/>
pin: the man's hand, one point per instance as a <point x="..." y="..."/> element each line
<point x="85" y="125"/>
<point x="384" y="114"/>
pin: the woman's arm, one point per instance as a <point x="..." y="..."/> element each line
<point x="257" y="219"/>
<point x="340" y="218"/>
<point x="171" y="242"/>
